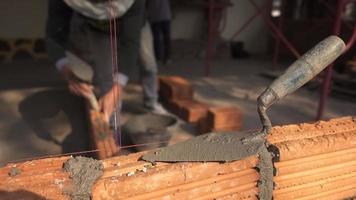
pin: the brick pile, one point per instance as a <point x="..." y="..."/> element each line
<point x="316" y="161"/>
<point x="177" y="95"/>
<point x="175" y="88"/>
<point x="102" y="137"/>
<point x="189" y="110"/>
<point x="224" y="119"/>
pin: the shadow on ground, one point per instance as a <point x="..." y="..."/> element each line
<point x="47" y="112"/>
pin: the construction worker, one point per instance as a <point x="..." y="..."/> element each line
<point x="159" y="15"/>
<point x="81" y="28"/>
<point x="148" y="66"/>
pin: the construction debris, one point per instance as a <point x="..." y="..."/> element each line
<point x="313" y="161"/>
<point x="14" y="171"/>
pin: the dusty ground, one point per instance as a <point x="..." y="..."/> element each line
<point x="240" y="83"/>
<point x="38" y="117"/>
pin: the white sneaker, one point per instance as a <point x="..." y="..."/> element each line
<point x="157" y="108"/>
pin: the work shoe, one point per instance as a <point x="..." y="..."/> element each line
<point x="156" y="108"/>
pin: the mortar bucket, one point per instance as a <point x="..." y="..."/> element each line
<point x="150" y="129"/>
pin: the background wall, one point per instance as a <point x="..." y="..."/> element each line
<point x="188" y="24"/>
<point x="255" y="35"/>
<point x="27" y="18"/>
<point x="22" y="18"/>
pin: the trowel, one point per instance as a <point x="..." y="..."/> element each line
<point x="225" y="147"/>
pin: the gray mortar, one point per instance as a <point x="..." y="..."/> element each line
<point x="222" y="147"/>
<point x="218" y="147"/>
<point x="84" y="172"/>
<point x="14" y="171"/>
<point x="265" y="168"/>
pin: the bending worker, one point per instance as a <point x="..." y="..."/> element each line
<point x="80" y="28"/>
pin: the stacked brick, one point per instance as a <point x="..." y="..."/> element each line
<point x="224" y="119"/>
<point x="316" y="161"/>
<point x="177" y="94"/>
<point x="175" y="88"/>
<point x="190" y="110"/>
<point x="22" y="49"/>
<point x="102" y="136"/>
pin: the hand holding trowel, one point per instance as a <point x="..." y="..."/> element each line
<point x="236" y="146"/>
<point x="101" y="134"/>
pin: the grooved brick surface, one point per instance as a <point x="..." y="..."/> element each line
<point x="316" y="162"/>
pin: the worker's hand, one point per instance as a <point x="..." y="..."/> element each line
<point x="76" y="86"/>
<point x="110" y="101"/>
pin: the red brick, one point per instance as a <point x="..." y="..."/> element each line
<point x="221" y="119"/>
<point x="172" y="106"/>
<point x="175" y="88"/>
<point x="102" y="136"/>
<point x="203" y="126"/>
<point x="189" y="110"/>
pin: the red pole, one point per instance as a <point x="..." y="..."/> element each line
<point x="351" y="40"/>
<point x="276" y="31"/>
<point x="249" y="21"/>
<point x="331" y="10"/>
<point x="327" y="79"/>
<point x="210" y="38"/>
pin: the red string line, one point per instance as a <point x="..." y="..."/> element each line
<point x="82" y="152"/>
<point x="115" y="69"/>
<point x="144" y="144"/>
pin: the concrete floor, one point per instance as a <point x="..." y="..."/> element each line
<point x="240" y="82"/>
<point x="39" y="118"/>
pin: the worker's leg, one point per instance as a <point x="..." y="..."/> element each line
<point x="130" y="26"/>
<point x="166" y="33"/>
<point x="148" y="67"/>
<point x="157" y="35"/>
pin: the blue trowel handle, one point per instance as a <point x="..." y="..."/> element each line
<point x="299" y="73"/>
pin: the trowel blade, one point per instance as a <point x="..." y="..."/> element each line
<point x="214" y="147"/>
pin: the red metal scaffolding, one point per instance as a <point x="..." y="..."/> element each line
<point x="329" y="71"/>
<point x="279" y="37"/>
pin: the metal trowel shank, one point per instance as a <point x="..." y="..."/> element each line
<point x="235" y="146"/>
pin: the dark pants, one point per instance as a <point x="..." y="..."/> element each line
<point x="162" y="39"/>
